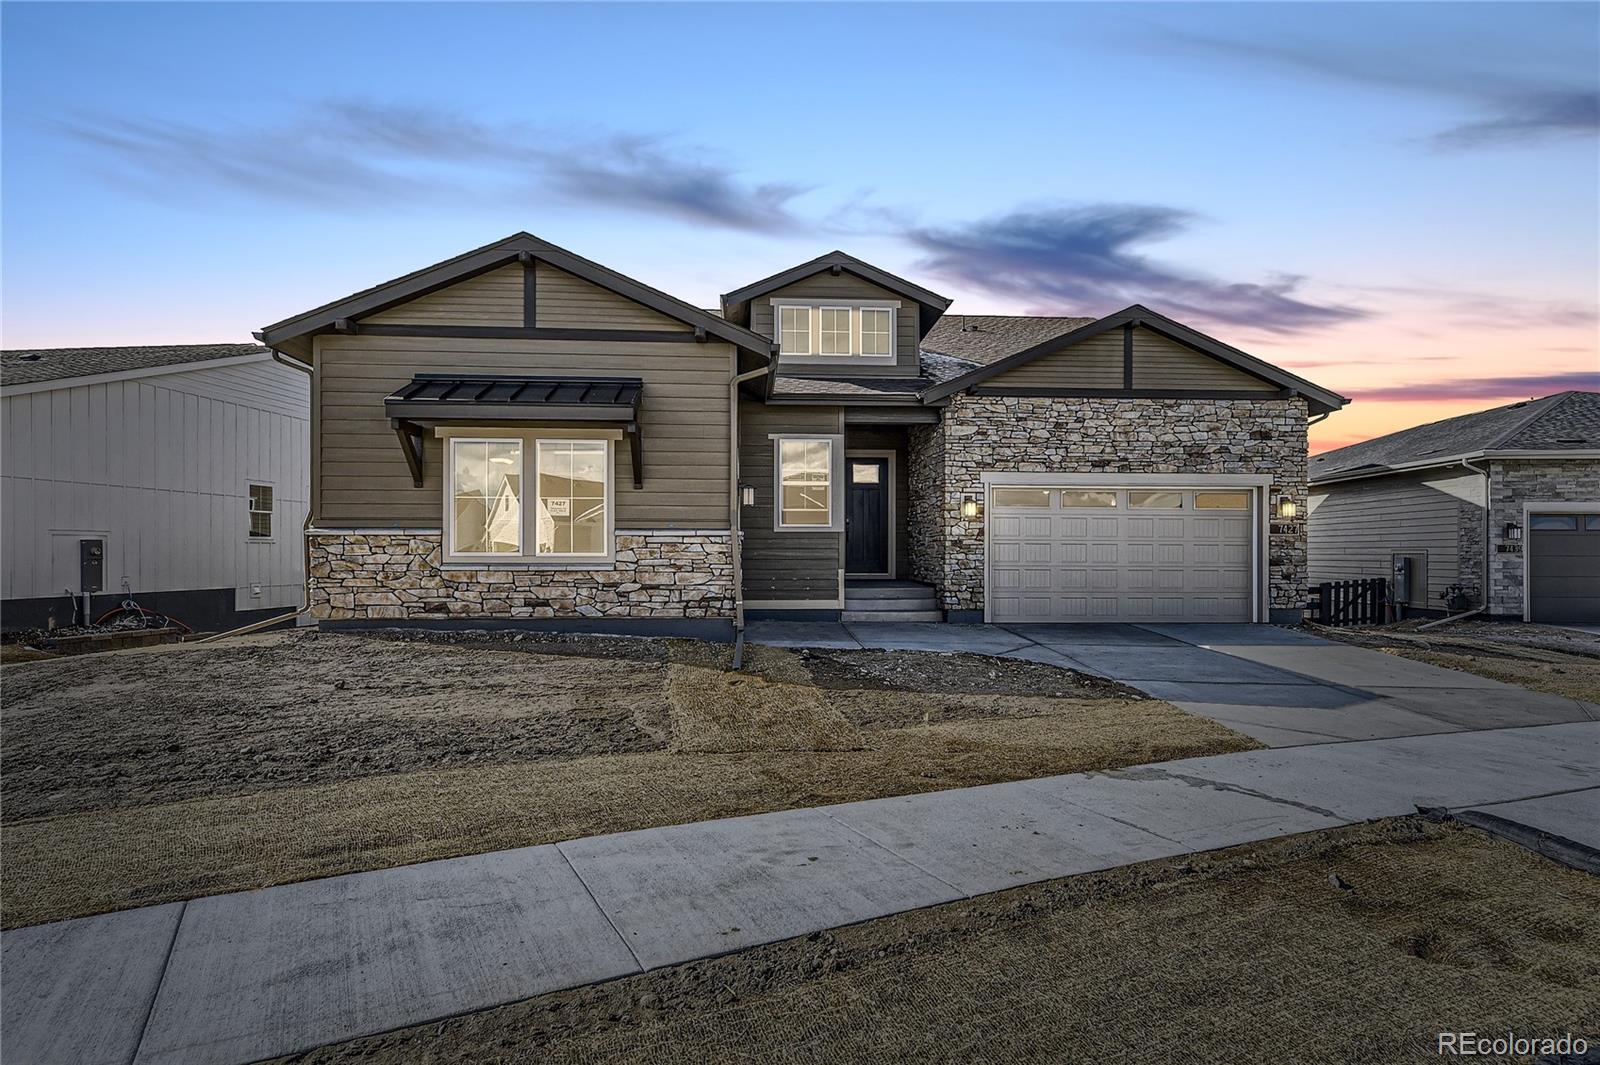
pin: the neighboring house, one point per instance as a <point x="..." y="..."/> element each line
<point x="176" y="474"/>
<point x="1508" y="497"/>
<point x="875" y="456"/>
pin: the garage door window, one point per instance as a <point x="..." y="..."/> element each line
<point x="1088" y="499"/>
<point x="1222" y="501"/>
<point x="1155" y="500"/>
<point x="1022" y="497"/>
<point x="1592" y="523"/>
<point x="1554" y="522"/>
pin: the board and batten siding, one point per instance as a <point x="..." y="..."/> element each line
<point x="784" y="565"/>
<point x="361" y="475"/>
<point x="159" y="466"/>
<point x="847" y="288"/>
<point x="1355" y="529"/>
<point x="1097" y="362"/>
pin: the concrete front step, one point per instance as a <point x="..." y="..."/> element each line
<point x="888" y="590"/>
<point x="872" y="602"/>
<point x="891" y="615"/>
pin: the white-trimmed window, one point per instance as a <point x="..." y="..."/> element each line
<point x="877" y="331"/>
<point x="485" y="497"/>
<point x="574" y="499"/>
<point x="260" y="511"/>
<point x="834" y="331"/>
<point x="804" y="473"/>
<point x="794" y="330"/>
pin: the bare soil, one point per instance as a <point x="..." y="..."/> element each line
<point x="1539" y="657"/>
<point x="1245" y="955"/>
<point x="167" y="773"/>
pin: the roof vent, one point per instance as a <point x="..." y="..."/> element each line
<point x="1571" y="440"/>
<point x="29" y="357"/>
<point x="1520" y="403"/>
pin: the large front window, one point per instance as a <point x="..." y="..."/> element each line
<point x="805" y="483"/>
<point x="794" y="330"/>
<point x="572" y="497"/>
<point x="835" y="331"/>
<point x="486" y="497"/>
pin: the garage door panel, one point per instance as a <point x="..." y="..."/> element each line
<point x="1563" y="570"/>
<point x="1117" y="565"/>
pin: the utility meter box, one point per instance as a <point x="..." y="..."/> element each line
<point x="1405" y="573"/>
<point x="91" y="565"/>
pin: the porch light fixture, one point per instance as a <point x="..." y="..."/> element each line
<point x="747" y="495"/>
<point x="969" y="508"/>
<point x="1513" y="531"/>
<point x="1286" y="508"/>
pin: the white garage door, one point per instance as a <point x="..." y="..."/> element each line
<point x="1119" y="554"/>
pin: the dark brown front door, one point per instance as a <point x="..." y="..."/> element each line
<point x="866" y="516"/>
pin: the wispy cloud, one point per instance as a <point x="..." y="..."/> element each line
<point x="345" y="154"/>
<point x="1082" y="259"/>
<point x="1506" y="388"/>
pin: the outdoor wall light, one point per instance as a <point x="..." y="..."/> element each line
<point x="747" y="495"/>
<point x="1287" y="509"/>
<point x="969" y="508"/>
<point x="1513" y="531"/>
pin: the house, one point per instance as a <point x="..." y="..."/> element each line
<point x="519" y="433"/>
<point x="176" y="475"/>
<point x="1505" y="499"/>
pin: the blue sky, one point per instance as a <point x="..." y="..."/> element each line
<point x="1399" y="201"/>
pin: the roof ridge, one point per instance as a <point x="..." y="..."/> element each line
<point x="1546" y="408"/>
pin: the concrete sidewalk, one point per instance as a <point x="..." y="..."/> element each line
<point x="1277" y="685"/>
<point x="239" y="977"/>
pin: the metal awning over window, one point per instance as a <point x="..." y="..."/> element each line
<point x="493" y="399"/>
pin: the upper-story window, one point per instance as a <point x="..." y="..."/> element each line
<point x="794" y="330"/>
<point x="822" y="333"/>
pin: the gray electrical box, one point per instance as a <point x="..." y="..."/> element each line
<point x="91" y="565"/>
<point x="1410" y="579"/>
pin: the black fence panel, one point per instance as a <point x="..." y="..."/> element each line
<point x="1363" y="602"/>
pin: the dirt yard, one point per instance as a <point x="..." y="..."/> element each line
<point x="1541" y="657"/>
<point x="164" y="773"/>
<point x="1238" y="956"/>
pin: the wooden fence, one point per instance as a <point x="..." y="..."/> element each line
<point x="1363" y="602"/>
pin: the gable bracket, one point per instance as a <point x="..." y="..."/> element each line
<point x="530" y="289"/>
<point x="1127" y="356"/>
<point x="411" y="438"/>
<point x="636" y="450"/>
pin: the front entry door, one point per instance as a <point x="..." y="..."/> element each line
<point x="866" y="516"/>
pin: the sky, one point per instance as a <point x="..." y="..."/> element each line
<point x="1400" y="202"/>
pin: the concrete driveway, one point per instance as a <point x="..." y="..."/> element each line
<point x="1280" y="686"/>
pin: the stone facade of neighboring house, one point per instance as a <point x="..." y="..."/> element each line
<point x="1514" y="483"/>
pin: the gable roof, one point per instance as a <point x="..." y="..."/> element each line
<point x="1565" y="421"/>
<point x="986" y="338"/>
<point x="292" y="334"/>
<point x="36" y="365"/>
<point x="932" y="303"/>
<point x="1319" y="399"/>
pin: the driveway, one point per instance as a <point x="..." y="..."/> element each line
<point x="1277" y="685"/>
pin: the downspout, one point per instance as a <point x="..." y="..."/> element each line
<point x="1488" y="524"/>
<point x="305" y="541"/>
<point x="735" y="535"/>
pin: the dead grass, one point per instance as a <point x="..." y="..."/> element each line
<point x="1538" y="657"/>
<point x="154" y="775"/>
<point x="1240" y="956"/>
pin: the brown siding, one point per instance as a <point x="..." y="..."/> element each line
<point x="783" y="565"/>
<point x="1355" y="529"/>
<point x="846" y="287"/>
<point x="362" y="478"/>
<point x="494" y="298"/>
<point x="568" y="302"/>
<point x="1092" y="363"/>
<point x="1162" y="363"/>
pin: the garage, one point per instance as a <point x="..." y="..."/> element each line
<point x="1100" y="553"/>
<point x="1563" y="558"/>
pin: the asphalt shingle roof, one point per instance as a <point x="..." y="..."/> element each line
<point x="854" y="386"/>
<point x="1551" y="423"/>
<point x="986" y="338"/>
<point x="31" y="366"/>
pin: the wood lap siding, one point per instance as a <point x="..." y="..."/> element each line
<point x="1092" y="363"/>
<point x="1356" y="528"/>
<point x="568" y="302"/>
<point x="846" y="288"/>
<point x="1162" y="363"/>
<point x="782" y="565"/>
<point x="362" y="475"/>
<point x="491" y="299"/>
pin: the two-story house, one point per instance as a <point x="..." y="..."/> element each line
<point x="522" y="436"/>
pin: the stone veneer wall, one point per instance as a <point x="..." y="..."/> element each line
<point x="1102" y="435"/>
<point x="1513" y="482"/>
<point x="925" y="522"/>
<point x="658" y="574"/>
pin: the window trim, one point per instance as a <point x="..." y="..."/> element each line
<point x="814" y="357"/>
<point x="272" y="521"/>
<point x="527" y="558"/>
<point x="812" y="326"/>
<point x="850" y="314"/>
<point x="836" y="460"/>
<point x="450" y="499"/>
<point x="861" y="330"/>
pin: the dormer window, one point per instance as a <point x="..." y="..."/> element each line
<point x="794" y="330"/>
<point x="822" y="334"/>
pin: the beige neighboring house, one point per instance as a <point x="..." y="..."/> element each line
<point x="829" y="442"/>
<point x="1507" y="499"/>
